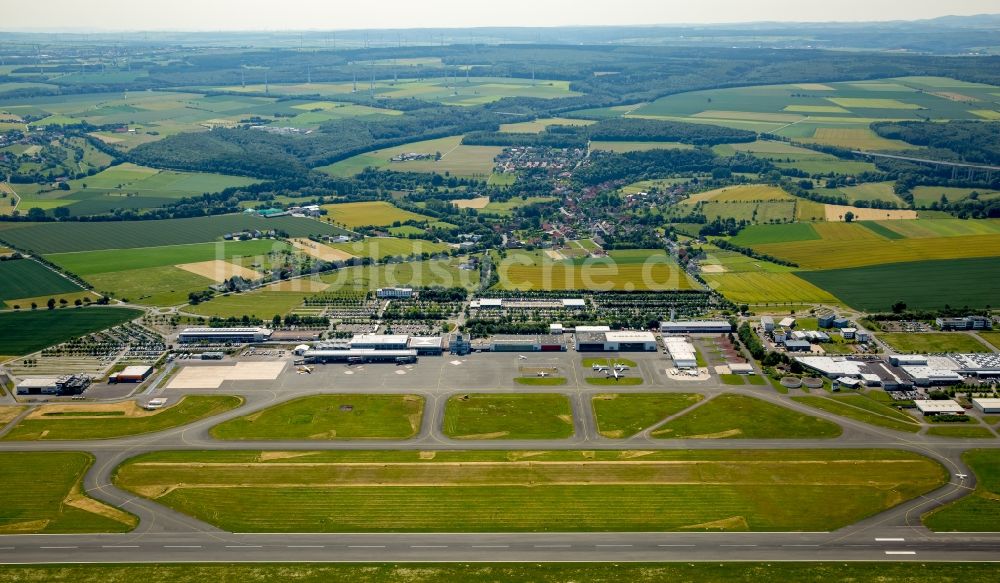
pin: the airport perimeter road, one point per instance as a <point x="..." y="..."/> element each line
<point x="166" y="535"/>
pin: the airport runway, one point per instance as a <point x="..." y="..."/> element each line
<point x="166" y="535"/>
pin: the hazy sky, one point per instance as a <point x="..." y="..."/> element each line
<point x="341" y="14"/>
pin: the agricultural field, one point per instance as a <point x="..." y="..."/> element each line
<point x="25" y="278"/>
<point x="921" y="285"/>
<point x="382" y="247"/>
<point x="470" y="91"/>
<point x="837" y="115"/>
<point x="84" y="263"/>
<point x="769" y="288"/>
<point x="925" y="196"/>
<point x="326" y="417"/>
<point x="500" y="416"/>
<point x="622" y="270"/>
<point x="43" y="494"/>
<point x="368" y="214"/>
<point x="540" y="125"/>
<point x="107" y="421"/>
<point x="126" y="186"/>
<point x="29" y="331"/>
<point x="620" y="415"/>
<point x="507" y="207"/>
<point x="863" y="409"/>
<point x="785" y="155"/>
<point x="456" y="159"/>
<point x="933" y="342"/>
<point x="525" y="491"/>
<point x="748" y="193"/>
<point x="880" y="191"/>
<point x="979" y="511"/>
<point x="46" y="238"/>
<point x="738" y="417"/>
<point x="153" y="286"/>
<point x="436" y="272"/>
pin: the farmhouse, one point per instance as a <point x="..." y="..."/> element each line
<point x="224" y="335"/>
<point x="696" y="327"/>
<point x="988" y="406"/>
<point x="615" y="341"/>
<point x="945" y="407"/>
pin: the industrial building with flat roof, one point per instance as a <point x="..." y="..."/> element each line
<point x="681" y="351"/>
<point x="696" y="327"/>
<point x="616" y="341"/>
<point x="64" y="385"/>
<point x="224" y="335"/>
<point x="943" y="407"/>
<point x="527" y="343"/>
<point x="360" y="355"/>
<point x="400" y="293"/>
<point x="131" y="374"/>
<point x="987" y="405"/>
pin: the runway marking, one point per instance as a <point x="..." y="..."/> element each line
<point x="901" y="552"/>
<point x="612" y="545"/>
<point x="366" y="546"/>
<point x="244" y="546"/>
<point x="890" y="540"/>
<point x="6" y="548"/>
<point x="857" y="545"/>
<point x="182" y="546"/>
<point x="58" y="547"/>
<point x="119" y="546"/>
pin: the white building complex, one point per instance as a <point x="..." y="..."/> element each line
<point x="681" y="351"/>
<point x="224" y="335"/>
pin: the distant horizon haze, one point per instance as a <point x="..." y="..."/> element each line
<point x="72" y="16"/>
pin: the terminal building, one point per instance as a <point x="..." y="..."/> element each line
<point x="379" y="342"/>
<point x="696" y="327"/>
<point x="224" y="335"/>
<point x="394" y="293"/>
<point x="615" y="341"/>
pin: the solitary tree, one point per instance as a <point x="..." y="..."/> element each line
<point x="51" y="303"/>
<point x="849" y="217"/>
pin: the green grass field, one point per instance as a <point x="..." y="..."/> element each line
<point x="921" y="285"/>
<point x="498" y="491"/>
<point x="456" y="159"/>
<point x="128" y="186"/>
<point x="620" y="415"/>
<point x="262" y="304"/>
<point x="507" y="207"/>
<point x="924" y="196"/>
<point x="382" y="247"/>
<point x="84" y="263"/>
<point x="43" y="494"/>
<point x="154" y="286"/>
<point x="623" y="146"/>
<point x="438" y="272"/>
<point x="961" y="432"/>
<point x="739" y="417"/>
<point x="980" y="510"/>
<point x="621" y="270"/>
<point x="933" y="342"/>
<point x="188" y="410"/>
<point x="765" y="234"/>
<point x="541" y="381"/>
<point x="374" y="213"/>
<point x="28" y="331"/>
<point x="24" y="278"/>
<point x="865" y="410"/>
<point x="498" y="416"/>
<point x="330" y="417"/>
<point x="65" y="237"/>
<point x="887" y="572"/>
